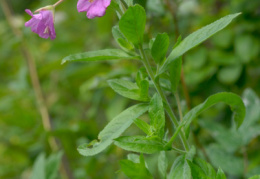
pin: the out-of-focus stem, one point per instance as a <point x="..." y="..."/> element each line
<point x="36" y="86"/>
<point x="57" y="3"/>
<point x="161" y="93"/>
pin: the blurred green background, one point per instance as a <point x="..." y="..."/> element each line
<point x="80" y="103"/>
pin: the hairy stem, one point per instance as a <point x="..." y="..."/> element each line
<point x="161" y="93"/>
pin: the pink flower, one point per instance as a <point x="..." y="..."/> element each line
<point x="42" y="23"/>
<point x="94" y="8"/>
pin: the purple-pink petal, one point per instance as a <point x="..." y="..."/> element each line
<point x="94" y="8"/>
<point x="42" y="23"/>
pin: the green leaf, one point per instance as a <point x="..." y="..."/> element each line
<point x="38" y="171"/>
<point x="196" y="38"/>
<point x="220" y="174"/>
<point x="52" y="165"/>
<point x="120" y="39"/>
<point x="175" y="73"/>
<point x="113" y="130"/>
<point x="143" y="126"/>
<point x="135" y="170"/>
<point x="130" y="90"/>
<point x="255" y="177"/>
<point x="132" y="24"/>
<point x="230" y="74"/>
<point x="157" y="115"/>
<point x="162" y="164"/>
<point x="100" y="55"/>
<point x="207" y="169"/>
<point x="141" y="144"/>
<point x="233" y="100"/>
<point x="197" y="172"/>
<point x="180" y="169"/>
<point x="160" y="47"/>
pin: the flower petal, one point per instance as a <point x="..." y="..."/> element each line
<point x="84" y="5"/>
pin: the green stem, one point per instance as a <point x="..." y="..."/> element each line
<point x="160" y="92"/>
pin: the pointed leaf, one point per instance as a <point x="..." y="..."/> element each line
<point x="221" y="174"/>
<point x="196" y="38"/>
<point x="113" y="130"/>
<point x="38" y="171"/>
<point x="143" y="126"/>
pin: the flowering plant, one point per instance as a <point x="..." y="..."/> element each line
<point x="161" y="77"/>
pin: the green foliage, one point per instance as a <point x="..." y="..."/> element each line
<point x="163" y="164"/>
<point x="196" y="38"/>
<point x="113" y="130"/>
<point x="160" y="47"/>
<point x="132" y="24"/>
<point x="221" y="174"/>
<point x="100" y="55"/>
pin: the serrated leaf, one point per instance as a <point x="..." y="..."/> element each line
<point x="196" y="38"/>
<point x="180" y="169"/>
<point x="160" y="47"/>
<point x="157" y="115"/>
<point x="141" y="144"/>
<point x="113" y="130"/>
<point x="100" y="55"/>
<point x="129" y="89"/>
<point x="220" y="174"/>
<point x="233" y="100"/>
<point x="132" y="24"/>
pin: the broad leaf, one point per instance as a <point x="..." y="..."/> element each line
<point x="180" y="169"/>
<point x="234" y="101"/>
<point x="129" y="89"/>
<point x="160" y="47"/>
<point x="100" y="55"/>
<point x="113" y="130"/>
<point x="38" y="171"/>
<point x="221" y="174"/>
<point x="196" y="38"/>
<point x="162" y="164"/>
<point x="157" y="115"/>
<point x="135" y="170"/>
<point x="141" y="144"/>
<point x="132" y="24"/>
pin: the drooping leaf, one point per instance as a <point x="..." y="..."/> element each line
<point x="180" y="169"/>
<point x="160" y="47"/>
<point x="38" y="171"/>
<point x="157" y="115"/>
<point x="196" y="38"/>
<point x="129" y="89"/>
<point x="233" y="100"/>
<point x="113" y="130"/>
<point x="141" y="144"/>
<point x="100" y="55"/>
<point x="162" y="164"/>
<point x="221" y="174"/>
<point x="132" y="24"/>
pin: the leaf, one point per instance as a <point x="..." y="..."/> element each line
<point x="162" y="164"/>
<point x="135" y="170"/>
<point x="157" y="115"/>
<point x="100" y="55"/>
<point x="255" y="177"/>
<point x="197" y="172"/>
<point x="160" y="47"/>
<point x="196" y="38"/>
<point x="230" y="74"/>
<point x="208" y="170"/>
<point x="52" y="165"/>
<point x="141" y="144"/>
<point x="113" y="130"/>
<point x="129" y="89"/>
<point x="143" y="126"/>
<point x="38" y="171"/>
<point x="175" y="73"/>
<point x="132" y="24"/>
<point x="233" y="100"/>
<point x="220" y="174"/>
<point x="180" y="169"/>
<point x="120" y="39"/>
